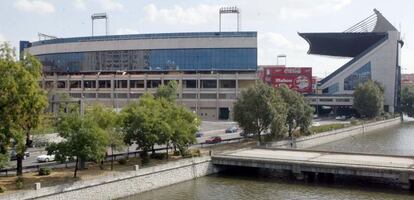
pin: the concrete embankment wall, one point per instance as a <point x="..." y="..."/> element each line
<point x="126" y="183"/>
<point x="330" y="136"/>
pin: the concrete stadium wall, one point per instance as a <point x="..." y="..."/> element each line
<point x="330" y="136"/>
<point x="124" y="184"/>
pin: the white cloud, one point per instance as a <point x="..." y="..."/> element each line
<point x="295" y="9"/>
<point x="178" y="15"/>
<point x="111" y="5"/>
<point x="124" y="31"/>
<point x="35" y="6"/>
<point x="79" y="4"/>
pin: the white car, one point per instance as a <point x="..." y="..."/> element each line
<point x="45" y="158"/>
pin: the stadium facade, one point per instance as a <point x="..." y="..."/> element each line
<point x="374" y="46"/>
<point x="210" y="67"/>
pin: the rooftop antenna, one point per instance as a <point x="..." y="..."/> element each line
<point x="230" y="10"/>
<point x="100" y="16"/>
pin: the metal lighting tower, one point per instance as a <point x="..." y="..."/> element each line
<point x="230" y="10"/>
<point x="100" y="16"/>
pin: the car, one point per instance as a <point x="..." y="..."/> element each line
<point x="232" y="129"/>
<point x="245" y="134"/>
<point x="213" y="140"/>
<point x="343" y="117"/>
<point x="13" y="155"/>
<point x="199" y="134"/>
<point x="45" y="158"/>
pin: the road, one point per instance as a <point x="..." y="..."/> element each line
<point x="208" y="128"/>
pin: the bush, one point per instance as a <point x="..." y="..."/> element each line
<point x="159" y="156"/>
<point x="195" y="153"/>
<point x="176" y="153"/>
<point x="354" y="122"/>
<point x="324" y="128"/>
<point x="122" y="161"/>
<point x="144" y="158"/>
<point x="19" y="182"/>
<point x="2" y="189"/>
<point x="44" y="171"/>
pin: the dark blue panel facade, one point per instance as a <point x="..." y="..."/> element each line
<point x="331" y="89"/>
<point x="361" y="75"/>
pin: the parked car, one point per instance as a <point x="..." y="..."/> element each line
<point x="232" y="129"/>
<point x="13" y="155"/>
<point x="199" y="134"/>
<point x="45" y="158"/>
<point x="213" y="140"/>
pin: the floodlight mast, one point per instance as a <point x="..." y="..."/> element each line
<point x="230" y="10"/>
<point x="100" y="16"/>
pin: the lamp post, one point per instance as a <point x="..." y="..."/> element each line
<point x="117" y="85"/>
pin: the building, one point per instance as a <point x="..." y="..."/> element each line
<point x="210" y="67"/>
<point x="296" y="78"/>
<point x="374" y="45"/>
<point x="407" y="79"/>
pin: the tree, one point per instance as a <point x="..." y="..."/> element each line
<point x="184" y="124"/>
<point x="299" y="112"/>
<point x="22" y="101"/>
<point x="169" y="91"/>
<point x="368" y="99"/>
<point x="258" y="109"/>
<point x="84" y="139"/>
<point x="142" y="124"/>
<point x="407" y="100"/>
<point x="108" y="120"/>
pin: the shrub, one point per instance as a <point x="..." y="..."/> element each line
<point x="19" y="182"/>
<point x="354" y="122"/>
<point x="122" y="161"/>
<point x="159" y="156"/>
<point x="176" y="153"/>
<point x="195" y="153"/>
<point x="144" y="158"/>
<point x="324" y="128"/>
<point x="44" y="171"/>
<point x="2" y="189"/>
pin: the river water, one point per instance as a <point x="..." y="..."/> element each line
<point x="256" y="184"/>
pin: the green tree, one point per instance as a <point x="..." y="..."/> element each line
<point x="142" y="123"/>
<point x="258" y="109"/>
<point x="22" y="101"/>
<point x="299" y="112"/>
<point x="184" y="124"/>
<point x="169" y="91"/>
<point x="109" y="121"/>
<point x="407" y="100"/>
<point x="368" y="99"/>
<point x="84" y="139"/>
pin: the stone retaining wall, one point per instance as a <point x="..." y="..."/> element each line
<point x="124" y="184"/>
<point x="330" y="136"/>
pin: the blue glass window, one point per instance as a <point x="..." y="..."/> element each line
<point x="153" y="60"/>
<point x="361" y="75"/>
<point x="332" y="89"/>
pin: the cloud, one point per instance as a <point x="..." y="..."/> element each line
<point x="200" y="14"/>
<point x="295" y="9"/>
<point x="110" y="5"/>
<point x="125" y="31"/>
<point x="35" y="6"/>
<point x="79" y="4"/>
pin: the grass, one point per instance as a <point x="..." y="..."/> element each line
<point x="327" y="127"/>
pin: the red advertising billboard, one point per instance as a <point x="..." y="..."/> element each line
<point x="296" y="78"/>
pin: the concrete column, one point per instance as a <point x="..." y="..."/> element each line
<point x="237" y="85"/>
<point x="405" y="182"/>
<point x="145" y="82"/>
<point x="129" y="87"/>
<point x="217" y="95"/>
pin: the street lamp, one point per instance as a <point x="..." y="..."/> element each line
<point x="117" y="85"/>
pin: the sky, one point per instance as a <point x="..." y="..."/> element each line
<point x="276" y="21"/>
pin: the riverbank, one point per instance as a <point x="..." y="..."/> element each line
<point x="124" y="184"/>
<point x="334" y="135"/>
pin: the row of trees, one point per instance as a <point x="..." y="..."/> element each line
<point x="154" y="120"/>
<point x="262" y="108"/>
<point x="22" y="101"/>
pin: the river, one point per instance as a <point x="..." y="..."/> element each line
<point x="256" y="184"/>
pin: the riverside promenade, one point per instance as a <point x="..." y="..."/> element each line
<point x="310" y="164"/>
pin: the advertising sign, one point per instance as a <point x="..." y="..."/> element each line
<point x="296" y="78"/>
